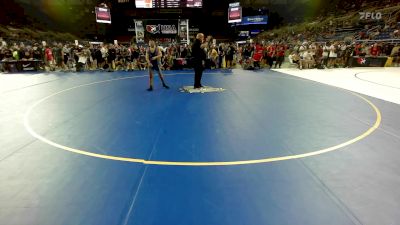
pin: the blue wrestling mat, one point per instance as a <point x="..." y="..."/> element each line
<point x="97" y="148"/>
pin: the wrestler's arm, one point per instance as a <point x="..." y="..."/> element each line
<point x="147" y="58"/>
<point x="159" y="56"/>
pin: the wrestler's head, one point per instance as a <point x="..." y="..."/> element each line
<point x="152" y="43"/>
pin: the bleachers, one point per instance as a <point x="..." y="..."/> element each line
<point x="383" y="36"/>
<point x="340" y="26"/>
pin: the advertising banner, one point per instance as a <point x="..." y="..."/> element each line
<point x="244" y="33"/>
<point x="193" y="31"/>
<point x="368" y="61"/>
<point x="176" y="30"/>
<point x="139" y="31"/>
<point x="184" y="31"/>
<point x="254" y="32"/>
<point x="249" y="20"/>
<point x="161" y="28"/>
<point x="29" y="65"/>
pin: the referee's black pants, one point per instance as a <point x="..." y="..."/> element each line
<point x="198" y="73"/>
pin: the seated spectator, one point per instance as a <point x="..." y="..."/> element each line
<point x="37" y="52"/>
<point x="82" y="58"/>
<point x="294" y="58"/>
<point x="15" y="53"/>
<point x="396" y="55"/>
<point x="142" y="63"/>
<point x="307" y="61"/>
<point x="168" y="61"/>
<point x="135" y="57"/>
<point x="374" y="50"/>
<point x="27" y="55"/>
<point x="396" y="34"/>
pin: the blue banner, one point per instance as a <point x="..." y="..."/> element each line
<point x="254" y="32"/>
<point x="249" y="20"/>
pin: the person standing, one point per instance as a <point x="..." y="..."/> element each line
<point x="199" y="57"/>
<point x="58" y="56"/>
<point x="153" y="58"/>
<point x="112" y="56"/>
<point x="229" y="56"/>
<point x="271" y="53"/>
<point x="213" y="55"/>
<point x="258" y="55"/>
<point x="332" y="55"/>
<point x="221" y="55"/>
<point x="49" y="58"/>
<point x="280" y="55"/>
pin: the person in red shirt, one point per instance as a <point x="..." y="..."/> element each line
<point x="258" y="54"/>
<point x="49" y="58"/>
<point x="375" y="51"/>
<point x="280" y="55"/>
<point x="265" y="54"/>
<point x="271" y="53"/>
<point x="357" y="49"/>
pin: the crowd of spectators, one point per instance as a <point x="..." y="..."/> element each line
<point x="336" y="54"/>
<point x="341" y="54"/>
<point x="108" y="57"/>
<point x="333" y="47"/>
<point x="128" y="57"/>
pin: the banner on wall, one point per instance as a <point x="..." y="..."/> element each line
<point x="254" y="32"/>
<point x="254" y="20"/>
<point x="184" y="31"/>
<point x="368" y="61"/>
<point x="193" y="31"/>
<point x="161" y="27"/>
<point x="244" y="33"/>
<point x="139" y="31"/>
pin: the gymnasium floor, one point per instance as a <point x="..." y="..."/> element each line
<point x="278" y="147"/>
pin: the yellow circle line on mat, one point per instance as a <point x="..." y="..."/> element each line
<point x="172" y="163"/>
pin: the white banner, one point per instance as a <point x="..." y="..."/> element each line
<point x="184" y="31"/>
<point x="139" y="31"/>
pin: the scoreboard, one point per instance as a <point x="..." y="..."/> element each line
<point x="234" y="13"/>
<point x="194" y="3"/>
<point x="103" y="15"/>
<point x="169" y="3"/>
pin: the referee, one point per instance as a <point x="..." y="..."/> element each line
<point x="199" y="57"/>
